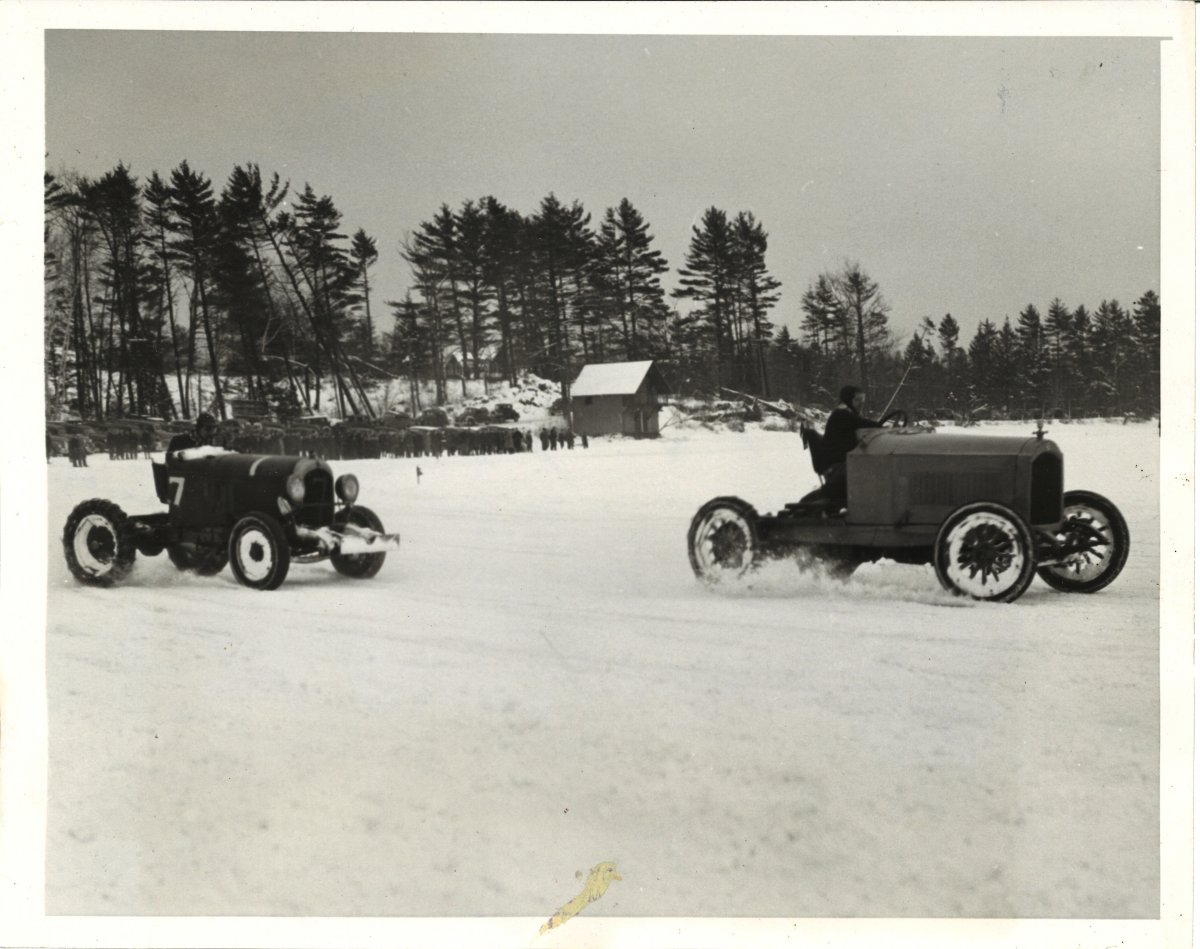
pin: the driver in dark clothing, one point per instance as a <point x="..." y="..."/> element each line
<point x="205" y="433"/>
<point x="841" y="436"/>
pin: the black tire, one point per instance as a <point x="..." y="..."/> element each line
<point x="97" y="543"/>
<point x="985" y="551"/>
<point x="723" y="543"/>
<point x="359" y="566"/>
<point x="1096" y="568"/>
<point x="205" y="561"/>
<point x="259" y="554"/>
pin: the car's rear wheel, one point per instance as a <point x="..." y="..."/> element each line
<point x="723" y="542"/>
<point x="97" y="543"/>
<point x="195" y="558"/>
<point x="985" y="551"/>
<point x="359" y="566"/>
<point x="259" y="554"/>
<point x="1096" y="532"/>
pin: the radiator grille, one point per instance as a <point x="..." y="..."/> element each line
<point x="1045" y="493"/>
<point x="958" y="487"/>
<point x="318" y="499"/>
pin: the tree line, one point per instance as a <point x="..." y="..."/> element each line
<point x="164" y="297"/>
<point x="1071" y="362"/>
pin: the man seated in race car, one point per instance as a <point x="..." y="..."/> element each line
<point x="205" y="433"/>
<point x="841" y="436"/>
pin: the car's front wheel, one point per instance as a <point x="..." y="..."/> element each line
<point x="359" y="566"/>
<point x="723" y="541"/>
<point x="259" y="554"/>
<point x="1098" y="538"/>
<point x="97" y="543"/>
<point x="985" y="551"/>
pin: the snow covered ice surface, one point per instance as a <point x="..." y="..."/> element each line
<point x="536" y="683"/>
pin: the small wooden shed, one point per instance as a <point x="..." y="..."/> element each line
<point x="618" y="398"/>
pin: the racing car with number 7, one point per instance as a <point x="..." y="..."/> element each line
<point x="256" y="513"/>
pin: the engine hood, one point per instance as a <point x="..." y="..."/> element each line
<point x="230" y="465"/>
<point x="928" y="441"/>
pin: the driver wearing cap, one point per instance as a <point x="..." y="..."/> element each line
<point x="205" y="433"/>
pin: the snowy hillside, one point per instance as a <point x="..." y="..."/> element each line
<point x="535" y="683"/>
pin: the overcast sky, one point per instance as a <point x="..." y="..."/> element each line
<point x="969" y="176"/>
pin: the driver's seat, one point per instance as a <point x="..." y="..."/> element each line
<point x="814" y="441"/>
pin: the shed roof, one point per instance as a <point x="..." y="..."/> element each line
<point x="611" y="378"/>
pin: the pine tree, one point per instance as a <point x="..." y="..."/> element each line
<point x="1007" y="358"/>
<point x="247" y="214"/>
<point x="160" y="270"/>
<point x="757" y="293"/>
<point x="477" y="291"/>
<point x="1112" y="347"/>
<point x="411" y="348"/>
<point x="867" y="312"/>
<point x="364" y="254"/>
<point x="329" y="276"/>
<point x="193" y="219"/>
<point x="1147" y="334"/>
<point x="1057" y="330"/>
<point x="502" y="270"/>
<point x="825" y="323"/>
<point x="56" y="297"/>
<point x="558" y="238"/>
<point x="633" y="268"/>
<point x="981" y="355"/>
<point x="428" y="255"/>
<point x="1031" y="359"/>
<point x="236" y="291"/>
<point x="1079" y="362"/>
<point x="954" y="361"/>
<point x="706" y="281"/>
<point x="114" y="204"/>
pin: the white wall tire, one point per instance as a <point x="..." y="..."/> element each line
<point x="259" y="554"/>
<point x="985" y="551"/>
<point x="96" y="543"/>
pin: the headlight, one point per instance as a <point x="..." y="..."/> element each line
<point x="347" y="488"/>
<point x="295" y="488"/>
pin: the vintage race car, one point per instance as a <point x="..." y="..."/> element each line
<point x="987" y="511"/>
<point x="256" y="513"/>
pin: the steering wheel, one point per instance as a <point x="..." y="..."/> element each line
<point x="898" y="418"/>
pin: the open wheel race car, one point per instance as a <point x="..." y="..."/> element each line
<point x="987" y="511"/>
<point x="256" y="513"/>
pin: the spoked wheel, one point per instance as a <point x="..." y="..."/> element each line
<point x="258" y="552"/>
<point x="359" y="566"/>
<point x="97" y="544"/>
<point x="205" y="561"/>
<point x="1097" y="538"/>
<point x="723" y="540"/>
<point x="985" y="551"/>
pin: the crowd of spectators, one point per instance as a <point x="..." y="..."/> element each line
<point x="344" y="441"/>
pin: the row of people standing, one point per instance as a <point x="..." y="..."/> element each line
<point x="552" y="438"/>
<point x="333" y="443"/>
